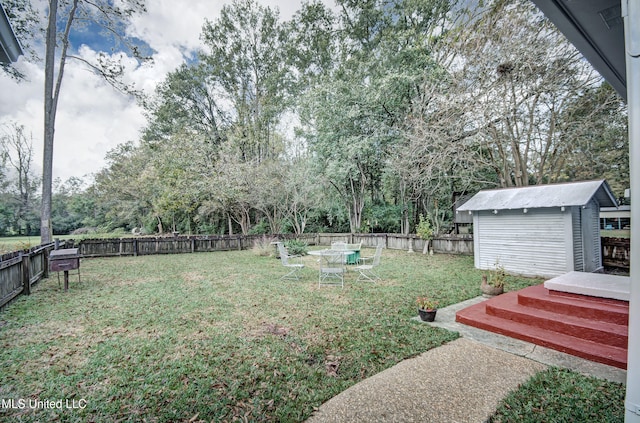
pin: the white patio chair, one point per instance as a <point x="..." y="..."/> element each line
<point x="339" y="246"/>
<point x="332" y="268"/>
<point x="367" y="268"/>
<point x="285" y="259"/>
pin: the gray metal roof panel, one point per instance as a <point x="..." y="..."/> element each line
<point x="538" y="196"/>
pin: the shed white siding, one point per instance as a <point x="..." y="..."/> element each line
<point x="541" y="230"/>
<point x="532" y="243"/>
<point x="591" y="237"/>
<point x="578" y="249"/>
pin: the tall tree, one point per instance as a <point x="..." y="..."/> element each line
<point x="18" y="147"/>
<point x="246" y="57"/>
<point x="516" y="105"/>
<point x="304" y="194"/>
<point x="188" y="100"/>
<point x="384" y="54"/>
<point x="529" y="77"/>
<point x="311" y="46"/>
<point x="69" y="16"/>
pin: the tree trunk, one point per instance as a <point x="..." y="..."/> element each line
<point x="51" y="95"/>
<point x="49" y="125"/>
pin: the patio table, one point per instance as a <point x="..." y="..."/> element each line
<point x="332" y="265"/>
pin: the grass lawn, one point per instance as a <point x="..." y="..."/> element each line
<point x="559" y="395"/>
<point x="216" y="336"/>
<point x="15" y="243"/>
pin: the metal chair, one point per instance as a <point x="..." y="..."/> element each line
<point x="285" y="258"/>
<point x="338" y="245"/>
<point x="367" y="271"/>
<point x="332" y="268"/>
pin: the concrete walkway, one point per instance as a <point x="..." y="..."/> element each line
<point x="462" y="381"/>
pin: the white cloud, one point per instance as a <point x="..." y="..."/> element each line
<point x="94" y="118"/>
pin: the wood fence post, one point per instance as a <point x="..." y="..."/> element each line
<point x="135" y="248"/>
<point x="45" y="263"/>
<point x="25" y="275"/>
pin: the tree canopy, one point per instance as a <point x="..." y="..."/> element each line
<point x="361" y="118"/>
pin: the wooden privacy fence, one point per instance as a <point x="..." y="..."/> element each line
<point x="140" y="246"/>
<point x="615" y="252"/>
<point x="191" y="244"/>
<point x="459" y="244"/>
<point x="21" y="269"/>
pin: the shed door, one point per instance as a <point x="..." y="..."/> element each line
<point x="531" y="243"/>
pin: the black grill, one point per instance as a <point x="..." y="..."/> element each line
<point x="64" y="260"/>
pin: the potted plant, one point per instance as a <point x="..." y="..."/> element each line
<point x="427" y="308"/>
<point x="493" y="282"/>
<point x="424" y="231"/>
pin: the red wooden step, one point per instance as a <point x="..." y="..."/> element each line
<point x="507" y="307"/>
<point x="555" y="321"/>
<point x="602" y="309"/>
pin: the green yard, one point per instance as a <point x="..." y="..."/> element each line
<point x="216" y="336"/>
<point x="14" y="243"/>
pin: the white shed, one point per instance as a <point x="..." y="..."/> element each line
<point x="540" y="230"/>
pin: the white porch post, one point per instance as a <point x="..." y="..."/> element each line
<point x="631" y="15"/>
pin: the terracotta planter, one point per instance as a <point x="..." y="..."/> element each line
<point x="490" y="290"/>
<point x="427" y="315"/>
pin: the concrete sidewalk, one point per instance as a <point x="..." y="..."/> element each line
<point x="462" y="381"/>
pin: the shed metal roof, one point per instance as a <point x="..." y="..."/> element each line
<point x="539" y="196"/>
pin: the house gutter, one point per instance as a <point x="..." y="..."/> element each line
<point x="631" y="16"/>
<point x="10" y="48"/>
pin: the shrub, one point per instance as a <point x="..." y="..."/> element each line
<point x="424" y="229"/>
<point x="262" y="246"/>
<point x="296" y="247"/>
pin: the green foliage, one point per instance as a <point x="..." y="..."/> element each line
<point x="395" y="116"/>
<point x="297" y="247"/>
<point x="496" y="277"/>
<point x="246" y="61"/>
<point x="423" y="230"/>
<point x="426" y="303"/>
<point x="261" y="227"/>
<point x="383" y="218"/>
